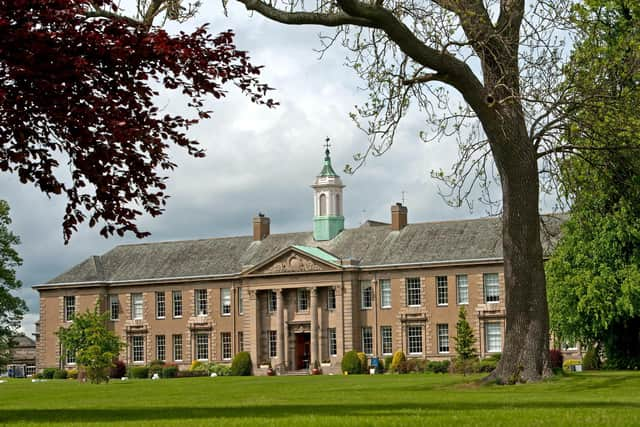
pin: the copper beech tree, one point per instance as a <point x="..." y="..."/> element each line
<point x="77" y="112"/>
<point x="484" y="73"/>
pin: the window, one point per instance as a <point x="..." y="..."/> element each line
<point x="367" y="340"/>
<point x="114" y="307"/>
<point x="414" y="338"/>
<point x="462" y="285"/>
<point x="177" y="304"/>
<point x="226" y="346"/>
<point x="333" y="342"/>
<point x="137" y="348"/>
<point x="225" y="301"/>
<point x="302" y="300"/>
<point x="240" y="341"/>
<point x="323" y="205"/>
<point x="177" y="348"/>
<point x="491" y="288"/>
<point x="201" y="302"/>
<point x="202" y="346"/>
<point x="240" y="302"/>
<point x="161" y="348"/>
<point x="331" y="298"/>
<point x="70" y="357"/>
<point x="385" y="293"/>
<point x="442" y="290"/>
<point x="443" y="338"/>
<point x="387" y="340"/>
<point x="69" y="308"/>
<point x="273" y="344"/>
<point x="136" y="306"/>
<point x="272" y="301"/>
<point x="493" y="337"/>
<point x="160" y="307"/>
<point x="413" y="292"/>
<point x="365" y="294"/>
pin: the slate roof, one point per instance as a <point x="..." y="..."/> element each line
<point x="429" y="242"/>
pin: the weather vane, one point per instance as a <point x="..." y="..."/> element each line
<point x="403" y="194"/>
<point x="326" y="143"/>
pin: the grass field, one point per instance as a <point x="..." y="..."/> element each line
<point x="593" y="399"/>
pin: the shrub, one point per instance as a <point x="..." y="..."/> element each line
<point x="169" y="371"/>
<point x="220" y="370"/>
<point x="465" y="366"/>
<point x="487" y="365"/>
<point x="72" y="374"/>
<point x="438" y="367"/>
<point x="567" y="364"/>
<point x="241" y="364"/>
<point x="351" y="363"/>
<point x="60" y="374"/>
<point x="197" y="365"/>
<point x="591" y="359"/>
<point x="388" y="360"/>
<point x="48" y="373"/>
<point x="189" y="374"/>
<point x="495" y="357"/>
<point x="364" y="366"/>
<point x="118" y="370"/>
<point x="155" y="367"/>
<point x="138" y="372"/>
<point x="398" y="358"/>
<point x="555" y="359"/>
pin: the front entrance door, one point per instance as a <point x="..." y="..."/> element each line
<point x="303" y="350"/>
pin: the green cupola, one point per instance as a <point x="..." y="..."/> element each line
<point x="328" y="221"/>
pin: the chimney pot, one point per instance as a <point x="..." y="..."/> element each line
<point x="261" y="227"/>
<point x="398" y="217"/>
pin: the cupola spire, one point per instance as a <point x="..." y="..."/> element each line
<point x="328" y="220"/>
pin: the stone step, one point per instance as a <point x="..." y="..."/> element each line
<point x="300" y="372"/>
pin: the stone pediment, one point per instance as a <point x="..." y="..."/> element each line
<point x="292" y="261"/>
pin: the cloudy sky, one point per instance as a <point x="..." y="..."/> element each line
<point x="258" y="159"/>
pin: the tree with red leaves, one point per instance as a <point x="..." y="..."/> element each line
<point x="77" y="116"/>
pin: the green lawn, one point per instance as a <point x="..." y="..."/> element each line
<point x="595" y="399"/>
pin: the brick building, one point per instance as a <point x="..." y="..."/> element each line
<point x="296" y="298"/>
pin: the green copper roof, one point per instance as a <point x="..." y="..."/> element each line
<point x="318" y="253"/>
<point x="327" y="169"/>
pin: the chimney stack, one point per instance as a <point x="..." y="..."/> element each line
<point x="260" y="227"/>
<point x="398" y="217"/>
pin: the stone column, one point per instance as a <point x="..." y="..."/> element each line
<point x="253" y="335"/>
<point x="314" y="326"/>
<point x="280" y="328"/>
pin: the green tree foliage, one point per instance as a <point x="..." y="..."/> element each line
<point x="465" y="341"/>
<point x="12" y="308"/>
<point x="594" y="273"/>
<point x="351" y="363"/>
<point x="241" y="364"/>
<point x="95" y="346"/>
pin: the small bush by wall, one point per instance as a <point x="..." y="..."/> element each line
<point x="72" y="374"/>
<point x="398" y="358"/>
<point x="388" y="361"/>
<point x="351" y="363"/>
<point x="197" y="365"/>
<point x="169" y="371"/>
<point x="555" y="359"/>
<point x="155" y="367"/>
<point x="220" y="370"/>
<point x="47" y="373"/>
<point x="190" y="374"/>
<point x="60" y="374"/>
<point x="118" y="370"/>
<point x="364" y="364"/>
<point x="138" y="372"/>
<point x="567" y="364"/>
<point x="241" y="364"/>
<point x="591" y="359"/>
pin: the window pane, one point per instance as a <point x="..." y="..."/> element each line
<point x="69" y="308"/>
<point x="273" y="344"/>
<point x="365" y="294"/>
<point x="414" y="335"/>
<point x="333" y="342"/>
<point x="160" y="306"/>
<point x="202" y="347"/>
<point x="225" y="301"/>
<point x="177" y="304"/>
<point x="137" y="348"/>
<point x="387" y="340"/>
<point x="177" y="347"/>
<point x="414" y="298"/>
<point x="491" y="287"/>
<point x="494" y="337"/>
<point x="226" y="345"/>
<point x="303" y="300"/>
<point x="136" y="306"/>
<point x="367" y="340"/>
<point x="331" y="298"/>
<point x="272" y="303"/>
<point x="161" y="353"/>
<point x="385" y="293"/>
<point x="442" y="290"/>
<point x="114" y="307"/>
<point x="201" y="302"/>
<point x="443" y="338"/>
<point x="462" y="284"/>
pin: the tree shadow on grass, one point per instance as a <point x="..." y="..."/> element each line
<point x="89" y="415"/>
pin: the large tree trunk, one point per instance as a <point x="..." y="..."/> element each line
<point x="525" y="355"/>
